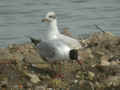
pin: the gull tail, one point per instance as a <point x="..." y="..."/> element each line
<point x="33" y="40"/>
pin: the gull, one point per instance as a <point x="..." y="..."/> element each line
<point x="56" y="47"/>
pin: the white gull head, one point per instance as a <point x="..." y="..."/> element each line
<point x="50" y="17"/>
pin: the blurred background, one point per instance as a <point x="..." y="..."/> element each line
<point x="20" y="18"/>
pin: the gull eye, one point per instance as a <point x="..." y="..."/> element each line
<point x="50" y="16"/>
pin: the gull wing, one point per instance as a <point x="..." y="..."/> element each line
<point x="73" y="43"/>
<point x="46" y="50"/>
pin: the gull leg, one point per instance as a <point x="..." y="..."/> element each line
<point x="60" y="74"/>
<point x="58" y="70"/>
<point x="79" y="61"/>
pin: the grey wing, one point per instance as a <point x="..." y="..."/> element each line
<point x="46" y="50"/>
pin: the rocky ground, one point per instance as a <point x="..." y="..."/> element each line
<point x="21" y="66"/>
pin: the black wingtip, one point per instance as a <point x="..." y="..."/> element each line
<point x="33" y="40"/>
<point x="73" y="54"/>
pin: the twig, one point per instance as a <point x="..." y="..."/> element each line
<point x="99" y="28"/>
